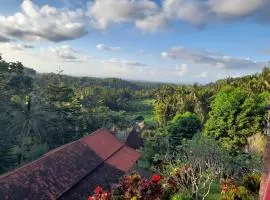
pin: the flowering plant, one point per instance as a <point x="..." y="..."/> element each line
<point x="100" y="195"/>
<point x="133" y="187"/>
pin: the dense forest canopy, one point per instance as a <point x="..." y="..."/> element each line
<point x="39" y="112"/>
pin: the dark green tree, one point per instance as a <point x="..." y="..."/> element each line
<point x="182" y="126"/>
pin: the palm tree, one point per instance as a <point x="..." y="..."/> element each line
<point x="29" y="124"/>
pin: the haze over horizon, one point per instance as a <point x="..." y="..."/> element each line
<point x="179" y="41"/>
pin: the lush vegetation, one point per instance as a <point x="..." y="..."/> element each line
<point x="210" y="138"/>
<point x="202" y="141"/>
<point x="39" y="112"/>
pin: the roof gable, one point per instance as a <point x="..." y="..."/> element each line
<point x="100" y="139"/>
<point x="124" y="158"/>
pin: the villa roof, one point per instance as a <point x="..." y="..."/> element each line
<point x="71" y="171"/>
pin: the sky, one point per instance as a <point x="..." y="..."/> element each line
<point x="178" y="41"/>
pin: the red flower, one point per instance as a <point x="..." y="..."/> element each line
<point x="98" y="190"/>
<point x="155" y="178"/>
<point x="90" y="198"/>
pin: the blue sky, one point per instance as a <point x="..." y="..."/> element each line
<point x="181" y="41"/>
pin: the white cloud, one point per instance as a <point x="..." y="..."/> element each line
<point x="60" y="24"/>
<point x="192" y="11"/>
<point x="19" y="47"/>
<point x="181" y="70"/>
<point x="107" y="48"/>
<point x="106" y="12"/>
<point x="199" y="12"/>
<point x="66" y="53"/>
<point x="235" y="8"/>
<point x="125" y="62"/>
<point x="4" y="38"/>
<point x="228" y="75"/>
<point x="201" y="75"/>
<point x="43" y="23"/>
<point x="150" y="17"/>
<point x="211" y="59"/>
<point x="152" y="23"/>
<point x="132" y="63"/>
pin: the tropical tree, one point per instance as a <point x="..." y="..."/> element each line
<point x="183" y="126"/>
<point x="235" y="116"/>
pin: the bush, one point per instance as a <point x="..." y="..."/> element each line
<point x="252" y="183"/>
<point x="132" y="187"/>
<point x="100" y="195"/>
<point x="183" y="126"/>
<point x="230" y="190"/>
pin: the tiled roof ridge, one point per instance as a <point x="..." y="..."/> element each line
<point x="49" y="154"/>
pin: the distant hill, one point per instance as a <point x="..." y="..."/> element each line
<point x="45" y="78"/>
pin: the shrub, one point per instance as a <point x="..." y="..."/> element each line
<point x="252" y="183"/>
<point x="133" y="187"/>
<point x="100" y="195"/>
<point x="194" y="180"/>
<point x="230" y="190"/>
<point x="183" y="126"/>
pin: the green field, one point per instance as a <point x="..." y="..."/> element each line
<point x="143" y="108"/>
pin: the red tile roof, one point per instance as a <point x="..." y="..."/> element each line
<point x="60" y="170"/>
<point x="103" y="143"/>
<point x="124" y="158"/>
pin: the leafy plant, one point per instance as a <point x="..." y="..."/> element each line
<point x="252" y="182"/>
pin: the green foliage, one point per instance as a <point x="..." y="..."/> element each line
<point x="172" y="99"/>
<point x="230" y="190"/>
<point x="252" y="182"/>
<point x="36" y="151"/>
<point x="214" y="192"/>
<point x="207" y="150"/>
<point x="156" y="145"/>
<point x="182" y="126"/>
<point x="7" y="157"/>
<point x="39" y="112"/>
<point x="202" y="149"/>
<point x="181" y="197"/>
<point x="234" y="116"/>
<point x="142" y="108"/>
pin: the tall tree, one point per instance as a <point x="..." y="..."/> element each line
<point x="234" y="116"/>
